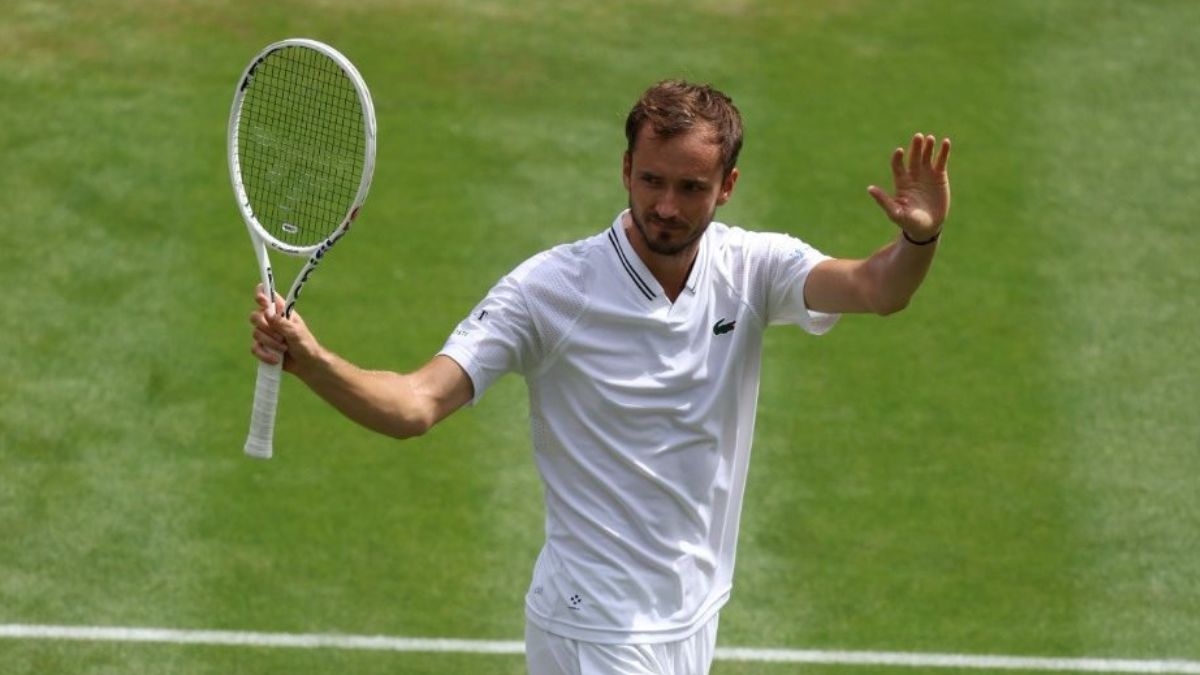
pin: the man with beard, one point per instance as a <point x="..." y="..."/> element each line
<point x="641" y="347"/>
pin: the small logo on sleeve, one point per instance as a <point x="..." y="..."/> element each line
<point x="575" y="601"/>
<point x="722" y="327"/>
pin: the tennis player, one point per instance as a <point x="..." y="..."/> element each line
<point x="641" y="347"/>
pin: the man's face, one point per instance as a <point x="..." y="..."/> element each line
<point x="675" y="186"/>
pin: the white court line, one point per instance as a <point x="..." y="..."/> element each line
<point x="405" y="644"/>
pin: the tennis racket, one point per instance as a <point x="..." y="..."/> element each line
<point x="301" y="156"/>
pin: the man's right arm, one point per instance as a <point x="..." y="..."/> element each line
<point x="395" y="404"/>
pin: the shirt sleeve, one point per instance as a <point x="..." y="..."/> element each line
<point x="788" y="264"/>
<point x="497" y="337"/>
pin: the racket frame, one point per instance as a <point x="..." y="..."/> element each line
<point x="259" y="441"/>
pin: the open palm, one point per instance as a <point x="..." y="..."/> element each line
<point x="922" y="188"/>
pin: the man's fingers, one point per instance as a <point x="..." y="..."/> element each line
<point x="885" y="201"/>
<point x="275" y="322"/>
<point x="915" y="152"/>
<point x="270" y="328"/>
<point x="263" y="321"/>
<point x="266" y="355"/>
<point x="272" y="341"/>
<point x="927" y="152"/>
<point x="943" y="156"/>
<point x="260" y="297"/>
<point x="897" y="164"/>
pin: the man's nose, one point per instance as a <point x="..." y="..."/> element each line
<point x="667" y="206"/>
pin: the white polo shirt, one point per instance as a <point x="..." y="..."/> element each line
<point x="642" y="414"/>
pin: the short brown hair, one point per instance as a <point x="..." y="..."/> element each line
<point x="673" y="107"/>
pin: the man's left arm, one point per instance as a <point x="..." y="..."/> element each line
<point x="886" y="281"/>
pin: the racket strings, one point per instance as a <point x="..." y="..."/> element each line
<point x="301" y="145"/>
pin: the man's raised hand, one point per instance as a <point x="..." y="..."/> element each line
<point x="922" y="189"/>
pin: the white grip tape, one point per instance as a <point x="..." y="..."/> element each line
<point x="262" y="417"/>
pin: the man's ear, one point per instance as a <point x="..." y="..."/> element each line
<point x="627" y="169"/>
<point x="727" y="187"/>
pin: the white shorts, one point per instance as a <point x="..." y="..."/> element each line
<point x="549" y="654"/>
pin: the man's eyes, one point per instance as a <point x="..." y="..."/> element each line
<point x="655" y="181"/>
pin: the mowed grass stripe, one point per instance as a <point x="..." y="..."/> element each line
<point x="900" y="494"/>
<point x="455" y="645"/>
<point x="1112" y="178"/>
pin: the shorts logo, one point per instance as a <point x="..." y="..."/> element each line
<point x="575" y="601"/>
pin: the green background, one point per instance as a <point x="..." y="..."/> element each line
<point x="1007" y="467"/>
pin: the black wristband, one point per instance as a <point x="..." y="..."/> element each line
<point x="914" y="242"/>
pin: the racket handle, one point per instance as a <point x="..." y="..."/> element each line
<point x="262" y="416"/>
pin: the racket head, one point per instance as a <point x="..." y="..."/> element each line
<point x="301" y="144"/>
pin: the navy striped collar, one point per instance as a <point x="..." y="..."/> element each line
<point x="615" y="234"/>
<point x="638" y="273"/>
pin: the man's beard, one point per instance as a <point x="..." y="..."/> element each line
<point x="665" y="248"/>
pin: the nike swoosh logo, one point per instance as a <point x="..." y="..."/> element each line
<point x="721" y="328"/>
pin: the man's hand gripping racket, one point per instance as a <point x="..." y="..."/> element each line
<point x="301" y="156"/>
